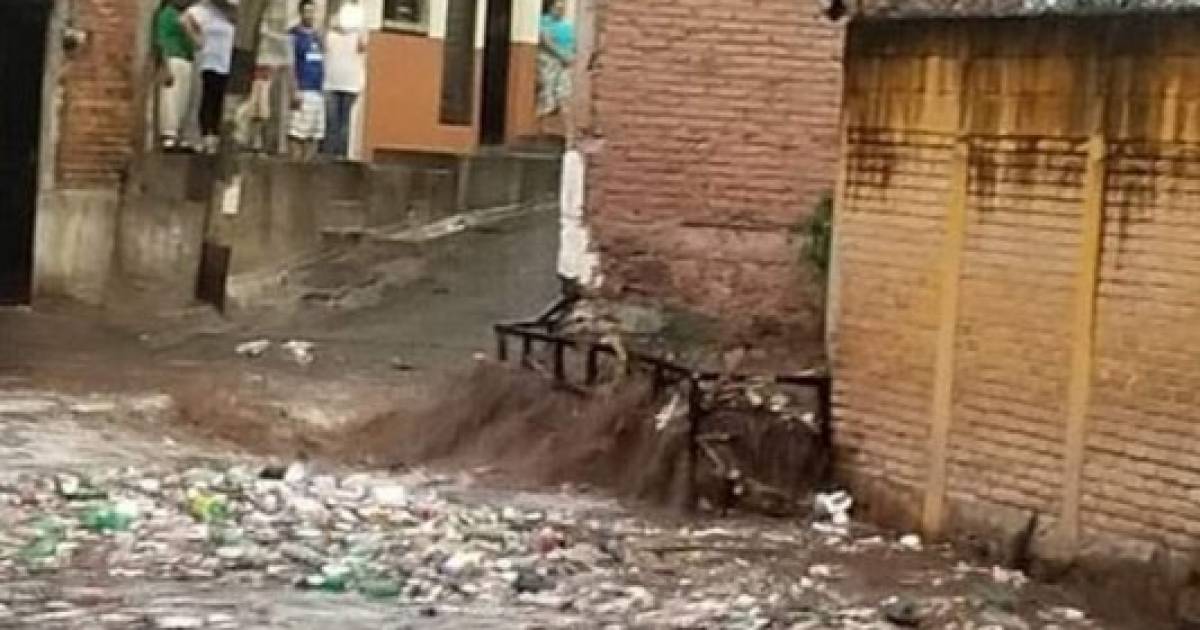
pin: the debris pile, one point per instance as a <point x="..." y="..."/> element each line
<point x="432" y="547"/>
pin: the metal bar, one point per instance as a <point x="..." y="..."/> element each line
<point x="593" y="366"/>
<point x="657" y="380"/>
<point x="695" y="414"/>
<point x="825" y="412"/>
<point x="526" y="350"/>
<point x="501" y="345"/>
<point x="560" y="363"/>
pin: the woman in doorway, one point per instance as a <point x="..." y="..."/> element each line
<point x="556" y="53"/>
<point x="211" y="25"/>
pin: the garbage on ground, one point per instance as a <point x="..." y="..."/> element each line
<point x="110" y="517"/>
<point x="412" y="541"/>
<point x="831" y="512"/>
<point x="253" y="349"/>
<point x="300" y="351"/>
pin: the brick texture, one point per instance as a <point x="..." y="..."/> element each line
<point x="719" y="123"/>
<point x="1023" y="98"/>
<point x="98" y="112"/>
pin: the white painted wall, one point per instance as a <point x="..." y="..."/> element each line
<point x="577" y="259"/>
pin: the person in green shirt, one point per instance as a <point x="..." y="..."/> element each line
<point x="175" y="51"/>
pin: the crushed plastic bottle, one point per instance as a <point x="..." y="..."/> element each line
<point x="209" y="508"/>
<point x="378" y="588"/>
<point x="73" y="488"/>
<point x="50" y="533"/>
<point x="109" y="517"/>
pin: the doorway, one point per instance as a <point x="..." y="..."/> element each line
<point x="496" y="46"/>
<point x="23" y="28"/>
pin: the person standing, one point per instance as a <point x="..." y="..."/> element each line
<point x="556" y="53"/>
<point x="211" y="25"/>
<point x="345" y="75"/>
<point x="307" y="128"/>
<point x="175" y="54"/>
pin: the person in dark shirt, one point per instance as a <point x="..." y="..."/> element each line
<point x="307" y="127"/>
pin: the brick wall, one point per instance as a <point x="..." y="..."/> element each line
<point x="719" y="125"/>
<point x="1017" y="277"/>
<point x="99" y="109"/>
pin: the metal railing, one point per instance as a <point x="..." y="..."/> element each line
<point x="537" y="335"/>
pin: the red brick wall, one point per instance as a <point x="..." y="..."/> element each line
<point x="1048" y="136"/>
<point x="719" y="124"/>
<point x="98" y="112"/>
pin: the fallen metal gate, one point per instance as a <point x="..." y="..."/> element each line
<point x="535" y="335"/>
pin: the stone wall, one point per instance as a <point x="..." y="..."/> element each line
<point x="1016" y="281"/>
<point x="715" y="128"/>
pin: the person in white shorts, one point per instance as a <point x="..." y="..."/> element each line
<point x="307" y="127"/>
<point x="176" y="52"/>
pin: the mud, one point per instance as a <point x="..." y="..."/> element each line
<point x="532" y="433"/>
<point x="617" y="437"/>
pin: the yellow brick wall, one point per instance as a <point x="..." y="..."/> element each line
<point x="964" y="259"/>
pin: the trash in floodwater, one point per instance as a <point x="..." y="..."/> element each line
<point x="50" y="533"/>
<point x="73" y="488"/>
<point x="253" y="349"/>
<point x="300" y="351"/>
<point x="208" y="508"/>
<point x="675" y="408"/>
<point x="379" y="588"/>
<point x="831" y="511"/>
<point x="110" y="517"/>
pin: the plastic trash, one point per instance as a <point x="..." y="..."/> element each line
<point x="253" y="349"/>
<point x="74" y="488"/>
<point x="50" y="533"/>
<point x="332" y="579"/>
<point x="109" y="517"/>
<point x="832" y="512"/>
<point x="301" y="351"/>
<point x="379" y="588"/>
<point x="209" y="508"/>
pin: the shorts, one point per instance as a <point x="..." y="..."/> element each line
<point x="308" y="122"/>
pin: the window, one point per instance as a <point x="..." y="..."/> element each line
<point x="411" y="16"/>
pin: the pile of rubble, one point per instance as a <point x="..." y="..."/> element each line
<point x="409" y="541"/>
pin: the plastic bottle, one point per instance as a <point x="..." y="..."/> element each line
<point x="109" y="517"/>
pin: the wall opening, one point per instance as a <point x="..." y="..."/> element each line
<point x="23" y="28"/>
<point x="458" y="68"/>
<point x="496" y="48"/>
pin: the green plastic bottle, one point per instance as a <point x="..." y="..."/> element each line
<point x="50" y="533"/>
<point x="379" y="588"/>
<point x="108" y="517"/>
<point x="209" y="508"/>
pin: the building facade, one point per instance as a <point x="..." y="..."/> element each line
<point x="707" y="135"/>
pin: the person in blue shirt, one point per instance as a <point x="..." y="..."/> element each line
<point x="556" y="54"/>
<point x="307" y="127"/>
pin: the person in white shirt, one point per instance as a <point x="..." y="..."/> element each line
<point x="345" y="74"/>
<point x="211" y="25"/>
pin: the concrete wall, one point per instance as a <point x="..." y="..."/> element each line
<point x="711" y="133"/>
<point x="74" y="241"/>
<point x="1016" y="309"/>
